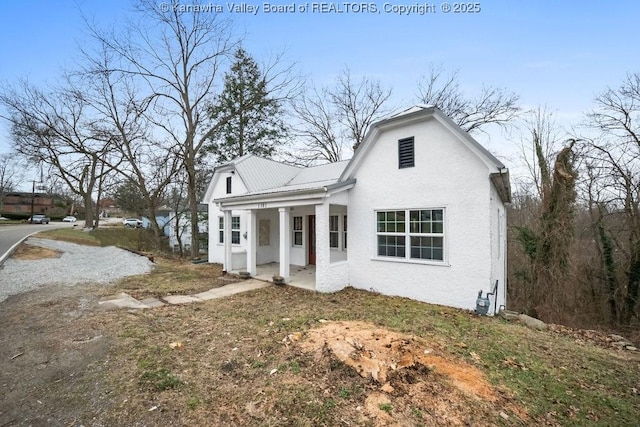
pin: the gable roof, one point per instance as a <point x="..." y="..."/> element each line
<point x="419" y="113"/>
<point x="259" y="174"/>
<point x="256" y="173"/>
<point x="315" y="179"/>
<point x="415" y="114"/>
<point x="268" y="177"/>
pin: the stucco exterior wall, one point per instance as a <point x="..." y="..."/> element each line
<point x="216" y="249"/>
<point x="447" y="175"/>
<point x="498" y="250"/>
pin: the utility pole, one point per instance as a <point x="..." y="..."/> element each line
<point x="33" y="196"/>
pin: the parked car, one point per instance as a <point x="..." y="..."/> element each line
<point x="39" y="219"/>
<point x="132" y="222"/>
<point x="69" y="218"/>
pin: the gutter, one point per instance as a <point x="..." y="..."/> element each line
<point x="272" y="196"/>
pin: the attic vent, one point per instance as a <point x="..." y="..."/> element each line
<point x="406" y="154"/>
<point x="228" y="185"/>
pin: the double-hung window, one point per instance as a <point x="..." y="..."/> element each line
<point x="413" y="234"/>
<point x="235" y="230"/>
<point x="333" y="231"/>
<point x="344" y="233"/>
<point x="297" y="231"/>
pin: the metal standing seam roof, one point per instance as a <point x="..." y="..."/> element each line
<point x="260" y="174"/>
<point x="328" y="172"/>
<point x="310" y="178"/>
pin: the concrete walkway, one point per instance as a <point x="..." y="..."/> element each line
<point x="125" y="300"/>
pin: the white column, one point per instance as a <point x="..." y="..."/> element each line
<point x="285" y="243"/>
<point x="228" y="260"/>
<point x="323" y="253"/>
<point x="252" y="232"/>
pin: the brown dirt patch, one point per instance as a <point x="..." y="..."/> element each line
<point x="410" y="372"/>
<point x="30" y="252"/>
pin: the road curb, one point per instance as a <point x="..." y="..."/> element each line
<point x="13" y="248"/>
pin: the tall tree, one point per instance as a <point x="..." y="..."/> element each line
<point x="334" y="117"/>
<point x="58" y="129"/>
<point x="149" y="163"/>
<point x="129" y="198"/>
<point x="613" y="162"/>
<point x="178" y="55"/>
<point x="542" y="137"/>
<point x="11" y="174"/>
<point x="494" y="105"/>
<point x="358" y="104"/>
<point x="548" y="241"/>
<point x="255" y="124"/>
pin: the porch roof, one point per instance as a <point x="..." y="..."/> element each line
<point x="290" y="193"/>
<point x="314" y="181"/>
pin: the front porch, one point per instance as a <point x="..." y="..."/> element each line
<point x="300" y="276"/>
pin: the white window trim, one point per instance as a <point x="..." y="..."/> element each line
<point x="336" y="232"/>
<point x="294" y="231"/>
<point x="239" y="230"/>
<point x="340" y="233"/>
<point x="407" y="258"/>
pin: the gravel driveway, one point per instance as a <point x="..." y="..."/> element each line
<point x="78" y="264"/>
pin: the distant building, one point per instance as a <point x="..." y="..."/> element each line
<point x="20" y="203"/>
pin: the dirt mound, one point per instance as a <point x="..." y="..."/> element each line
<point x="407" y="372"/>
<point x="30" y="252"/>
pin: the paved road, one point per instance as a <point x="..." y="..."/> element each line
<point x="12" y="234"/>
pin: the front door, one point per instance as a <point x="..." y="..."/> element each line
<point x="312" y="239"/>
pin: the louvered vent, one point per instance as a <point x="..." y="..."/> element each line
<point x="406" y="153"/>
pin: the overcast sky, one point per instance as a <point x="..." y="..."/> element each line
<point x="557" y="53"/>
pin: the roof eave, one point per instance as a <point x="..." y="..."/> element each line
<point x="500" y="181"/>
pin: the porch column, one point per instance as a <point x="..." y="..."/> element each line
<point x="252" y="232"/>
<point x="323" y="253"/>
<point x="285" y="243"/>
<point x="228" y="257"/>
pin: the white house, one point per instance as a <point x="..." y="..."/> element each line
<point x="419" y="212"/>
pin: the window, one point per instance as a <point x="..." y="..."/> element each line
<point x="406" y="153"/>
<point x="423" y="239"/>
<point x="297" y="231"/>
<point x="235" y="230"/>
<point x="228" y="185"/>
<point x="333" y="231"/>
<point x="344" y="233"/>
<point x="391" y="230"/>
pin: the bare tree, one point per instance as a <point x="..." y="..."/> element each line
<point x="318" y="129"/>
<point x="146" y="162"/>
<point x="57" y="128"/>
<point x="359" y="104"/>
<point x="542" y="137"/>
<point x="494" y="105"/>
<point x="332" y="117"/>
<point x="613" y="162"/>
<point x="178" y="55"/>
<point x="11" y="174"/>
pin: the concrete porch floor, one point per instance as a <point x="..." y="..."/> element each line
<point x="301" y="276"/>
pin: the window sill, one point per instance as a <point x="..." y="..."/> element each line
<point x="412" y="261"/>
<point x="233" y="245"/>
